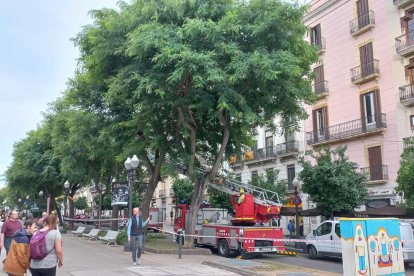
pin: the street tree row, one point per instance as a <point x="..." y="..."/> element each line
<point x="184" y="81"/>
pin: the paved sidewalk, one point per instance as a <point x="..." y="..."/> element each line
<point x="91" y="258"/>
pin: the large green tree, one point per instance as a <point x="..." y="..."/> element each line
<point x="333" y="182"/>
<point x="193" y="78"/>
<point x="405" y="177"/>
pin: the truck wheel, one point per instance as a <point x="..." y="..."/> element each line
<point x="312" y="252"/>
<point x="223" y="248"/>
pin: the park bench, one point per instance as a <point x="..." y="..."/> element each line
<point x="110" y="237"/>
<point x="78" y="232"/>
<point x="92" y="235"/>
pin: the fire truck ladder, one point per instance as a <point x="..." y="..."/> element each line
<point x="261" y="195"/>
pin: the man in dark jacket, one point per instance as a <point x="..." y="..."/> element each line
<point x="136" y="235"/>
<point x="17" y="261"/>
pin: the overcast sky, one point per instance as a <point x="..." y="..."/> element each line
<point x="36" y="59"/>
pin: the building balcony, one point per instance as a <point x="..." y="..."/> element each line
<point x="321" y="88"/>
<point x="402" y="3"/>
<point x="172" y="192"/>
<point x="261" y="155"/>
<point x="404" y="44"/>
<point x="348" y="130"/>
<point x="375" y="174"/>
<point x="161" y="193"/>
<point x="407" y="95"/>
<point x="287" y="148"/>
<point x="362" y="24"/>
<point x="408" y="142"/>
<point x="320" y="45"/>
<point x="365" y="72"/>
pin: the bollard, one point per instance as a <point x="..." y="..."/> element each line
<point x="180" y="241"/>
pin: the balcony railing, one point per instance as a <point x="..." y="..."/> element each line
<point x="407" y="94"/>
<point x="161" y="193"/>
<point x="375" y="173"/>
<point x="408" y="142"/>
<point x="347" y="130"/>
<point x="264" y="153"/>
<point x="287" y="148"/>
<point x="365" y="72"/>
<point x="404" y="44"/>
<point x="321" y="87"/>
<point x="402" y="3"/>
<point x="362" y="23"/>
<point x="320" y="45"/>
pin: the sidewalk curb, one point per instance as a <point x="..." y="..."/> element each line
<point x="196" y="251"/>
<point x="231" y="268"/>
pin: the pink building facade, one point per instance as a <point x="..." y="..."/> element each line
<point x="357" y="82"/>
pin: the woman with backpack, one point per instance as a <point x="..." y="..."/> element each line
<point x="17" y="261"/>
<point x="50" y="238"/>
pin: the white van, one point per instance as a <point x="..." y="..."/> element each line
<point x="326" y="241"/>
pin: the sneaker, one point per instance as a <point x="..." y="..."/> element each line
<point x="138" y="262"/>
<point x="134" y="263"/>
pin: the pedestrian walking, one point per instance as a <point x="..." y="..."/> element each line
<point x="136" y="235"/>
<point x="18" y="259"/>
<point x="54" y="257"/>
<point x="8" y="229"/>
<point x="291" y="228"/>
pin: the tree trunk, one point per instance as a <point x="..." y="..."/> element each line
<point x="192" y="214"/>
<point x="71" y="211"/>
<point x="200" y="183"/>
<point x="152" y="185"/>
<point x="114" y="223"/>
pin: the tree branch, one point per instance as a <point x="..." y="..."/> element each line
<point x="224" y="141"/>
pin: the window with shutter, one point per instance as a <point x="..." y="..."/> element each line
<point x="363" y="13"/>
<point x="366" y="56"/>
<point x="319" y="84"/>
<point x="316" y="38"/>
<point x="371" y="110"/>
<point x="320" y="124"/>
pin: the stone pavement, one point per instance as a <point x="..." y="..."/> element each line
<point x="91" y="258"/>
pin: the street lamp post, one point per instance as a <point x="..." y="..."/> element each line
<point x="66" y="192"/>
<point x="296" y="201"/>
<point x="131" y="164"/>
<point x="27" y="205"/>
<point x="40" y="200"/>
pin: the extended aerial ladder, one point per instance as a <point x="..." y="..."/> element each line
<point x="259" y="205"/>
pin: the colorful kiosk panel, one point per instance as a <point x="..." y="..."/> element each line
<point x="371" y="247"/>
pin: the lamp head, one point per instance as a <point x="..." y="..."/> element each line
<point x="127" y="164"/>
<point x="295" y="182"/>
<point x="134" y="162"/>
<point x="66" y="184"/>
<point x="41" y="193"/>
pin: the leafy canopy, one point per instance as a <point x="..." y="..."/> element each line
<point x="405" y="178"/>
<point x="333" y="182"/>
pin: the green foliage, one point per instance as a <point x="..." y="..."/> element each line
<point x="122" y="237"/>
<point x="81" y="203"/>
<point x="183" y="189"/>
<point x="219" y="199"/>
<point x="106" y="201"/>
<point x="333" y="183"/>
<point x="269" y="182"/>
<point x="405" y="177"/>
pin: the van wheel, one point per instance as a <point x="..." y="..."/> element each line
<point x="313" y="253"/>
<point x="223" y="248"/>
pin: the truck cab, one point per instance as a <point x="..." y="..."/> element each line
<point x="325" y="240"/>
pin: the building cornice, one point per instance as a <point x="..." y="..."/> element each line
<point x="319" y="9"/>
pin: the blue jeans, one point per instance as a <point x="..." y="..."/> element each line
<point x="137" y="245"/>
<point x="7" y="243"/>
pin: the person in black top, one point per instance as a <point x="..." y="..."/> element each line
<point x="136" y="235"/>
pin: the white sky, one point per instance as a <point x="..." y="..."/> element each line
<point x="36" y="59"/>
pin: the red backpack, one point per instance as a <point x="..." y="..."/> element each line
<point x="38" y="249"/>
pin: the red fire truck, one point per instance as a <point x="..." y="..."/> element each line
<point x="244" y="233"/>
